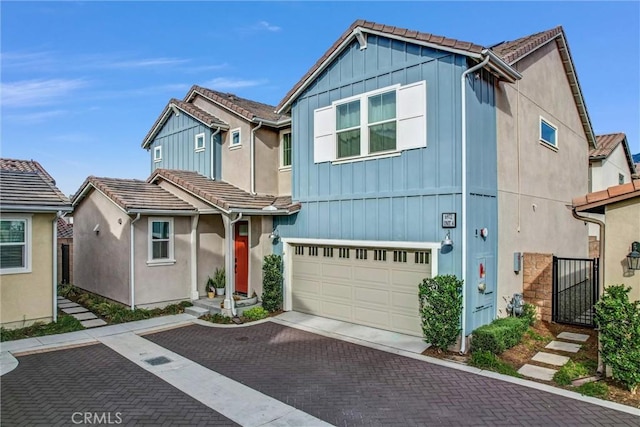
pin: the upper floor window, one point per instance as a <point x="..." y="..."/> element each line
<point x="377" y="123"/>
<point x="548" y="133"/>
<point x="285" y="144"/>
<point x="235" y="140"/>
<point x="157" y="153"/>
<point x="161" y="240"/>
<point x="620" y="179"/>
<point x="199" y="142"/>
<point x="15" y="244"/>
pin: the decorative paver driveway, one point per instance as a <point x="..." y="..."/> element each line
<point x="63" y="387"/>
<point x="347" y="384"/>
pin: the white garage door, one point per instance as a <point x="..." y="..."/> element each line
<point x="369" y="286"/>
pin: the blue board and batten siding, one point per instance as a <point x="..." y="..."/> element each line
<point x="177" y="138"/>
<point x="396" y="198"/>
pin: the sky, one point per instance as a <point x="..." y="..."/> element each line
<point x="83" y="82"/>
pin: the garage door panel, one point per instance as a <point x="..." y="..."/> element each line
<point x="337" y="271"/>
<point x="371" y="296"/>
<point x="408" y="278"/>
<point x="408" y="324"/>
<point x="306" y="286"/>
<point x="337" y="310"/>
<point x="337" y="290"/>
<point x="307" y="305"/>
<point x="369" y="273"/>
<point x="307" y="268"/>
<point x="405" y="301"/>
<point x="371" y="317"/>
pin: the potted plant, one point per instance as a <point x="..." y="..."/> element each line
<point x="211" y="288"/>
<point x="219" y="281"/>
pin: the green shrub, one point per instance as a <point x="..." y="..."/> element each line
<point x="217" y="318"/>
<point x="440" y="309"/>
<point x="569" y="372"/>
<point x="272" y="283"/>
<point x="595" y="389"/>
<point x="499" y="335"/>
<point x="618" y="320"/>
<point x="67" y="291"/>
<point x="529" y="313"/>
<point x="255" y="313"/>
<point x="487" y="360"/>
<point x="64" y="324"/>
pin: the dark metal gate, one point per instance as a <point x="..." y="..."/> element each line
<point x="65" y="264"/>
<point x="575" y="290"/>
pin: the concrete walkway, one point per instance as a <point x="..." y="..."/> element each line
<point x="86" y="318"/>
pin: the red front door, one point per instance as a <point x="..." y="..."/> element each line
<point x="241" y="240"/>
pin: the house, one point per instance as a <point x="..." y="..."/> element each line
<point x="220" y="166"/>
<point x="30" y="205"/>
<point x="404" y="140"/>
<point x="610" y="164"/>
<point x="620" y="206"/>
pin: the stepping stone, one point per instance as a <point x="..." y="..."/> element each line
<point x="196" y="311"/>
<point x="550" y="359"/>
<point x="63" y="300"/>
<point x="68" y="305"/>
<point x="74" y="310"/>
<point x="573" y="337"/>
<point x="563" y="346"/>
<point x="537" y="372"/>
<point x="93" y="323"/>
<point x="85" y="316"/>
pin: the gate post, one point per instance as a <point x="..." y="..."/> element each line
<point x="554" y="290"/>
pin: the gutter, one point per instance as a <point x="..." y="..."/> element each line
<point x="498" y="64"/>
<point x="59" y="214"/>
<point x="27" y="208"/>
<point x="262" y="212"/>
<point x="160" y="212"/>
<point x="252" y="150"/>
<point x="194" y="257"/>
<point x="132" y="270"/>
<point x="601" y="368"/>
<point x="463" y="82"/>
<point x="213" y="135"/>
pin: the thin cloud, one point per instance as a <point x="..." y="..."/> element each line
<point x="36" y="117"/>
<point x="30" y="93"/>
<point x="259" y="27"/>
<point x="144" y="63"/>
<point x="25" y="60"/>
<point x="222" y="83"/>
<point x="264" y="25"/>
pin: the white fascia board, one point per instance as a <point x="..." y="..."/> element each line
<point x="389" y="244"/>
<point x="35" y="208"/>
<point x="260" y="212"/>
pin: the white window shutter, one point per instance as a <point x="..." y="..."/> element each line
<point x="324" y="127"/>
<point x="412" y="116"/>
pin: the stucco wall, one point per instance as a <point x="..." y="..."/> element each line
<point x="101" y="260"/>
<point x="28" y="297"/>
<point x="210" y="248"/>
<point x="623" y="227"/>
<point x="260" y="246"/>
<point x="536" y="182"/>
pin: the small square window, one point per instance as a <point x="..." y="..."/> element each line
<point x="157" y="153"/>
<point x="620" y="179"/>
<point x="235" y="139"/>
<point x="15" y="245"/>
<point x="548" y="133"/>
<point x="199" y="143"/>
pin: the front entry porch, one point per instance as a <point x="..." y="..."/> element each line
<point x="213" y="305"/>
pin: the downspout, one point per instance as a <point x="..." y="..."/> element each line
<point x="132" y="271"/>
<point x="252" y="149"/>
<point x="601" y="369"/>
<point x="463" y="81"/>
<point x="229" y="303"/>
<point x="213" y="136"/>
<point x="59" y="214"/>
<point x="194" y="257"/>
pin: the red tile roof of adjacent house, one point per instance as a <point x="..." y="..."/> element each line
<point x="607" y="143"/>
<point x="24" y="184"/>
<point x="595" y="202"/>
<point x="133" y="195"/>
<point x="222" y="194"/>
<point x="246" y="108"/>
<point x="65" y="229"/>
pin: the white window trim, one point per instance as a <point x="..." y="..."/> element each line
<point x="544" y="141"/>
<point x="195" y="142"/>
<point x="27" y="241"/>
<point x="282" y="134"/>
<point x="164" y="261"/>
<point x="231" y="144"/>
<point x="157" y="154"/>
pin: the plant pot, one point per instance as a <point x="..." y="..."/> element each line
<point x="210" y="294"/>
<point x="219" y="291"/>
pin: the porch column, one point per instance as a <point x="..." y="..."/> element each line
<point x="229" y="263"/>
<point x="194" y="257"/>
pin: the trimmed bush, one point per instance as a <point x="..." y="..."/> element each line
<point x="440" y="310"/>
<point x="500" y="335"/>
<point x="529" y="313"/>
<point x="569" y="372"/>
<point x="272" y="283"/>
<point x="255" y="313"/>
<point x="618" y="320"/>
<point x="595" y="389"/>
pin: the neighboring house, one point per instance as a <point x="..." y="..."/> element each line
<point x="403" y="138"/>
<point x="30" y="205"/>
<point x="65" y="250"/>
<point x="620" y="206"/>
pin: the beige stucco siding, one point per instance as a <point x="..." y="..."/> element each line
<point x="260" y="246"/>
<point x="536" y="183"/>
<point x="267" y="161"/>
<point x="210" y="249"/>
<point x="623" y="227"/>
<point x="28" y="297"/>
<point x="101" y="259"/>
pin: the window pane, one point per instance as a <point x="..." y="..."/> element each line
<point x="286" y="149"/>
<point x="160" y="250"/>
<point x="235" y="138"/>
<point x="382" y="137"/>
<point x="547" y="133"/>
<point x="12" y="256"/>
<point x="349" y="143"/>
<point x="382" y="107"/>
<point x="160" y="230"/>
<point x="12" y="231"/>
<point x="200" y="142"/>
<point x="348" y="115"/>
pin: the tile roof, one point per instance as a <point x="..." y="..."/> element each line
<point x="134" y="195"/>
<point x="65" y="229"/>
<point x="194" y="111"/>
<point x="246" y="108"/>
<point x="595" y="202"/>
<point x="607" y="143"/>
<point x="222" y="194"/>
<point x="513" y="50"/>
<point x="25" y="185"/>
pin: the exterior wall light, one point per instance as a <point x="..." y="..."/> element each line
<point x="633" y="259"/>
<point x="446" y="245"/>
<point x="274" y="236"/>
